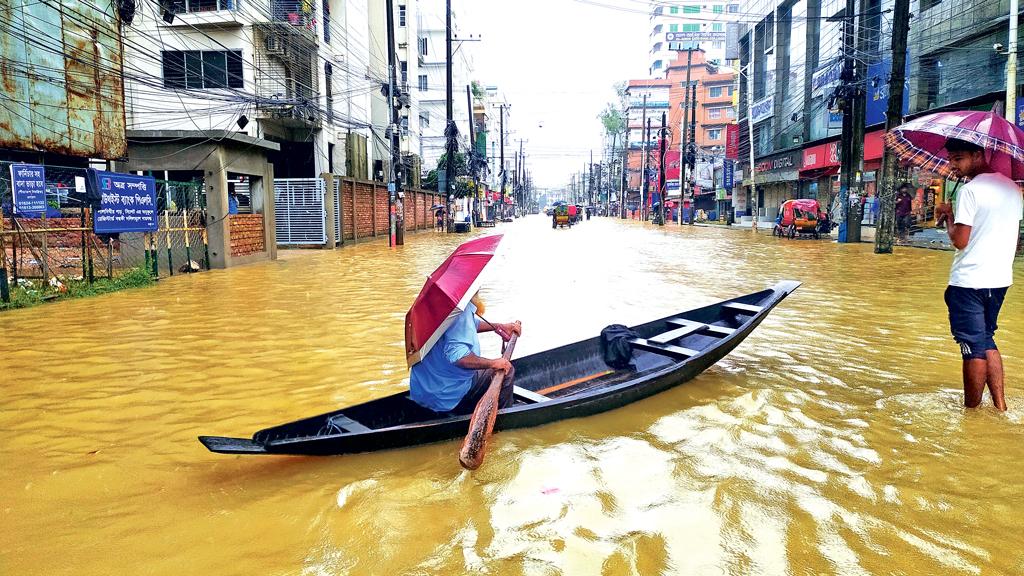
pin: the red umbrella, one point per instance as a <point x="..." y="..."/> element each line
<point x="445" y="295"/>
<point x="920" y="141"/>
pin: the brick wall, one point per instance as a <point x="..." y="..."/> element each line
<point x="371" y="209"/>
<point x="246" y="234"/>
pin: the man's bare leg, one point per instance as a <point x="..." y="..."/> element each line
<point x="975" y="376"/>
<point x="994" y="362"/>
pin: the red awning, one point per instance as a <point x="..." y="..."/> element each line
<point x="873" y="145"/>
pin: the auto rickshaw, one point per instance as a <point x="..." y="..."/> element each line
<point x="560" y="216"/>
<point x="798" y="218"/>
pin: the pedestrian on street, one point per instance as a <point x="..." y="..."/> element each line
<point x="904" y="206"/>
<point x="984" y="228"/>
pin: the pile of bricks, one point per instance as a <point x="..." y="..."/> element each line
<point x="246" y="234"/>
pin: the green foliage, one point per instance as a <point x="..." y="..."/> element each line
<point x="36" y="292"/>
<point x="613" y="120"/>
<point x="479" y="93"/>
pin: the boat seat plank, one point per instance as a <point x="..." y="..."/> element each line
<point x="677" y="352"/>
<point x="347" y="424"/>
<point x="528" y="395"/>
<point x="681" y="332"/>
<point x="708" y="328"/>
<point x="748" y="309"/>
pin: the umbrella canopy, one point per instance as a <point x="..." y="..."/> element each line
<point x="920" y="141"/>
<point x="445" y="295"/>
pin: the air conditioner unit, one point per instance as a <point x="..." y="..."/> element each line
<point x="339" y="59"/>
<point x="275" y="45"/>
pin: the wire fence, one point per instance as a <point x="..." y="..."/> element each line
<point x="60" y="246"/>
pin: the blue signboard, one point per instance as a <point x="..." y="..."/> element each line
<point x="127" y="203"/>
<point x="1020" y="112"/>
<point x="878" y="91"/>
<point x="28" y="184"/>
<point x="728" y="175"/>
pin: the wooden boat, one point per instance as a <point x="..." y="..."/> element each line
<point x="565" y="382"/>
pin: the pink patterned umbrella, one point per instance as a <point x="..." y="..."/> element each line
<point x="920" y="141"/>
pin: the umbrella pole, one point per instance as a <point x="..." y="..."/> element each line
<point x="474" y="447"/>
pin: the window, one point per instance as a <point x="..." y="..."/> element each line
<point x="718" y="44"/>
<point x="673" y="27"/>
<point x="329" y="90"/>
<point x="405" y="126"/>
<point x="195" y="69"/>
<point x="691" y="9"/>
<point x="423" y="82"/>
<point x="674" y="10"/>
<point x="718" y="8"/>
<point x="733" y="8"/>
<point x="718" y="27"/>
<point x="424" y="120"/>
<point x="405" y="72"/>
<point x="327" y="21"/>
<point x="691" y="27"/>
<point x="715" y="91"/>
<point x="401" y="14"/>
<point x="423" y="46"/>
<point x="714" y="134"/>
<point x="186" y="6"/>
<point x="714" y="113"/>
<point x="730" y="112"/>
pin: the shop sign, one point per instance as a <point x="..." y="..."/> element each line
<point x="28" y="186"/>
<point x="127" y="203"/>
<point x="762" y="109"/>
<point x="699" y="36"/>
<point x="778" y="163"/>
<point x="729" y="175"/>
<point x="821" y="156"/>
<point x="877" y="102"/>
<point x="732" y="141"/>
<point x="826" y="77"/>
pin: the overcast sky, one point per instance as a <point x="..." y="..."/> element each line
<point x="556" y="61"/>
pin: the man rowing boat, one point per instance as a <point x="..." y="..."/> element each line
<point x="453" y="376"/>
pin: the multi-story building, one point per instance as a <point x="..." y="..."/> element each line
<point x="682" y="25"/>
<point x="795" y="52"/>
<point x="645" y="99"/>
<point x="431" y="82"/>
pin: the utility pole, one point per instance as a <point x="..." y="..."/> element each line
<point x="853" y="124"/>
<point x="471" y="158"/>
<point x="522" y="177"/>
<point x="893" y="118"/>
<point x="396" y="220"/>
<point x="611" y="170"/>
<point x="692" y="147"/>
<point x="647" y="183"/>
<point x="750" y="133"/>
<point x="501" y="139"/>
<point x="590" y="182"/>
<point x="1011" y="64"/>
<point x="625" y="167"/>
<point x="683" y="135"/>
<point x="451" y="132"/>
<point x="662" y="185"/>
<point x="643" y="157"/>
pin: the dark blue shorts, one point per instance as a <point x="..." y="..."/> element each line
<point x="972" y="318"/>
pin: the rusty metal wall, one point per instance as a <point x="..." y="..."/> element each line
<point x="61" y="78"/>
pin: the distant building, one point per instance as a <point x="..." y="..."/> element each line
<point x="680" y="25"/>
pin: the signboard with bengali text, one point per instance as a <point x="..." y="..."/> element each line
<point x="28" y="188"/>
<point x="127" y="203"/>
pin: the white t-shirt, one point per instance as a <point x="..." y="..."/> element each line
<point x="991" y="205"/>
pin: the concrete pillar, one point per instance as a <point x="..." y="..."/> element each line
<point x="355" y="209"/>
<point x="373" y="208"/>
<point x="217" y="224"/>
<point x="269" y="211"/>
<point x="329" y="209"/>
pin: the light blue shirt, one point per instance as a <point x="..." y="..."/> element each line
<point x="436" y="382"/>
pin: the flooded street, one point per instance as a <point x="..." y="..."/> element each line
<point x="832" y="441"/>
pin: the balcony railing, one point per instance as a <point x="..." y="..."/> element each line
<point x="294" y="12"/>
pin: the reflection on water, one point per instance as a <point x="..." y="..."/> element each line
<point x="831" y="442"/>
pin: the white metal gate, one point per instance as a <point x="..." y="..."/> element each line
<point x="299" y="210"/>
<point x="337" y="210"/>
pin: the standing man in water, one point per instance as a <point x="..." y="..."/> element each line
<point x="984" y="231"/>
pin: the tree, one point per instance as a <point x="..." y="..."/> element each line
<point x="461" y="169"/>
<point x="613" y="120"/>
<point x="479" y="93"/>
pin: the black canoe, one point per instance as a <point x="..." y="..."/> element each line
<point x="565" y="382"/>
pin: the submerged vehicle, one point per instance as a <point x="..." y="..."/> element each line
<point x="565" y="382"/>
<point x="798" y="218"/>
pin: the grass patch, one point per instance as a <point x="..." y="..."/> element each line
<point x="35" y="292"/>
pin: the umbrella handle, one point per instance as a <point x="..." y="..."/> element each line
<point x="471" y="456"/>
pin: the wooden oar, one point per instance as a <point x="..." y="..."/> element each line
<point x="471" y="456"/>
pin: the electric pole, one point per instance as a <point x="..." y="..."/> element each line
<point x="853" y="125"/>
<point x="471" y="158"/>
<point x="662" y="188"/>
<point x="684" y="135"/>
<point x="396" y="220"/>
<point x="893" y="118"/>
<point x="522" y="169"/>
<point x="692" y="148"/>
<point x="643" y="157"/>
<point x="451" y="131"/>
<point x="647" y="183"/>
<point x="750" y="133"/>
<point x="1011" y="64"/>
<point x="501" y="139"/>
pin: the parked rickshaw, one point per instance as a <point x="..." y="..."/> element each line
<point x="798" y="218"/>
